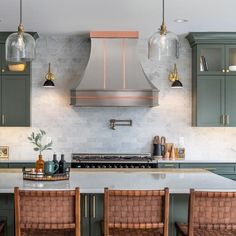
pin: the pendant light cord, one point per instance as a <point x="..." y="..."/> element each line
<point x="20" y="11"/>
<point x="163" y="10"/>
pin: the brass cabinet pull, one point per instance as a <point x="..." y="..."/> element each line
<point x="86" y="206"/>
<point x="223" y="70"/>
<point x="3" y="120"/>
<point x="222" y="119"/>
<point x="226" y="119"/>
<point x="94" y="206"/>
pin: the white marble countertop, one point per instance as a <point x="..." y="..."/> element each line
<point x="93" y="181"/>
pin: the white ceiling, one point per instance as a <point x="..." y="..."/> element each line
<point x="78" y="16"/>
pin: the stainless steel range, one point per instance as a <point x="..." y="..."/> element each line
<point x="111" y="160"/>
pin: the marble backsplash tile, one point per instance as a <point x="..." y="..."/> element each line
<point x="87" y="129"/>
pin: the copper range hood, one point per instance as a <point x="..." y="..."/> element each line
<point x="114" y="76"/>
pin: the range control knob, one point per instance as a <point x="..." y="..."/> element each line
<point x="87" y="166"/>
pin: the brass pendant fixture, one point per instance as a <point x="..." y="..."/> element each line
<point x="49" y="78"/>
<point x="163" y="43"/>
<point x="20" y="46"/>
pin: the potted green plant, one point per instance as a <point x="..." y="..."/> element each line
<point x="38" y="140"/>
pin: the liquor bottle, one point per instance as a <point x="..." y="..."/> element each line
<point x="181" y="149"/>
<point x="62" y="164"/>
<point x="56" y="162"/>
<point x="39" y="164"/>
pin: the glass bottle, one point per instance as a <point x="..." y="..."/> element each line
<point x="62" y="164"/>
<point x="56" y="162"/>
<point x="39" y="164"/>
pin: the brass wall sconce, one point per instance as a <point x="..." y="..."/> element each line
<point x="174" y="77"/>
<point x="49" y="78"/>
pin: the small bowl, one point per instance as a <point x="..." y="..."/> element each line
<point x="232" y="68"/>
<point x="17" y="67"/>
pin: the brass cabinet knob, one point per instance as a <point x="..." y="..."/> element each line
<point x="227" y="70"/>
<point x="3" y="70"/>
<point x="223" y="70"/>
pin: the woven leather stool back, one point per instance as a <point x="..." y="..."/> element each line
<point x="2" y="228"/>
<point x="212" y="210"/>
<point x="128" y="211"/>
<point x="47" y="212"/>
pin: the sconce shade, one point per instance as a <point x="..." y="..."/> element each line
<point x="48" y="83"/>
<point x="177" y="84"/>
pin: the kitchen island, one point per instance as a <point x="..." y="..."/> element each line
<point x="92" y="183"/>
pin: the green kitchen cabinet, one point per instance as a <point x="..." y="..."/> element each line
<point x="91" y="214"/>
<point x="14" y="90"/>
<point x="210" y="100"/>
<point x="227" y="170"/>
<point x="21" y="165"/>
<point x="7" y="213"/>
<point x="230" y="101"/>
<point x="213" y="79"/>
<point x="168" y="165"/>
<point x="15" y="97"/>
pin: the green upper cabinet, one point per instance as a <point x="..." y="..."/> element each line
<point x="14" y="89"/>
<point x="213" y="79"/>
<point x="210" y="59"/>
<point x="210" y="100"/>
<point x="15" y="100"/>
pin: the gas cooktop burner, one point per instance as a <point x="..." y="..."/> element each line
<point x="106" y="157"/>
<point x="111" y="160"/>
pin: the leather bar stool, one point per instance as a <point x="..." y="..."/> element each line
<point x="41" y="213"/>
<point x="210" y="214"/>
<point x="136" y="213"/>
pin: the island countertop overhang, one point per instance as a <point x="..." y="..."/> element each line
<point x="94" y="181"/>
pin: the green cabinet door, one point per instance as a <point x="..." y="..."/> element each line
<point x="85" y="218"/>
<point x="7" y="213"/>
<point x="15" y="95"/>
<point x="210" y="100"/>
<point x="230" y="59"/>
<point x="96" y="214"/>
<point x="230" y="101"/>
<point x="91" y="214"/>
<point x="210" y="59"/>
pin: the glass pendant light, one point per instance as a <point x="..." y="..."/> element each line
<point x="163" y="44"/>
<point x="20" y="46"/>
<point x="49" y="78"/>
